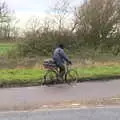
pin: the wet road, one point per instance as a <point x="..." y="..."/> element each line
<point x="35" y="97"/>
<point x="72" y="114"/>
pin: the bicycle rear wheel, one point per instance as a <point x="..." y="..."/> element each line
<point x="50" y="77"/>
<point x="71" y="76"/>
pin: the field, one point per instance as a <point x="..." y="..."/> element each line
<point x="23" y="77"/>
<point x="5" y="47"/>
<point x="33" y="75"/>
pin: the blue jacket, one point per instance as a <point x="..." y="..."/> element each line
<point x="59" y="56"/>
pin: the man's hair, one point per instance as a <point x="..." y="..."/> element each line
<point x="61" y="46"/>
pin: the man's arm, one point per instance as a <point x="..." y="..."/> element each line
<point x="65" y="57"/>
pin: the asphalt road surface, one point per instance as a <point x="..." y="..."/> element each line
<point x="72" y="114"/>
<point x="27" y="98"/>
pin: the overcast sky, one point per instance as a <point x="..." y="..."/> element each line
<point x="24" y="9"/>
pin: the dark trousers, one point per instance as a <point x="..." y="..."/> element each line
<point x="62" y="70"/>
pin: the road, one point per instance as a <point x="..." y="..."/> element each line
<point x="27" y="98"/>
<point x="72" y="114"/>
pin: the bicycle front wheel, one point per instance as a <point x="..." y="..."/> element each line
<point x="71" y="76"/>
<point x="50" y="77"/>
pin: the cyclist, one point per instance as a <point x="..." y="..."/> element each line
<point x="60" y="58"/>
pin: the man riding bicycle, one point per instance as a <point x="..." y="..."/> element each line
<point x="60" y="58"/>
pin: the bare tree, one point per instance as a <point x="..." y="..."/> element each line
<point x="95" y="20"/>
<point x="6" y="18"/>
<point x="60" y="13"/>
<point x="33" y="24"/>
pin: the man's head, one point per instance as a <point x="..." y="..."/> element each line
<point x="61" y="46"/>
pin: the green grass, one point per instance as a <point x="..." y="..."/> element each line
<point x="22" y="77"/>
<point x="99" y="71"/>
<point x="19" y="77"/>
<point x="5" y="47"/>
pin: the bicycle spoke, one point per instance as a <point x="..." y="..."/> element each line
<point x="49" y="77"/>
<point x="71" y="76"/>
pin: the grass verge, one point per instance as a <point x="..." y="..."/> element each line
<point x="98" y="71"/>
<point x="20" y="77"/>
<point x="29" y="77"/>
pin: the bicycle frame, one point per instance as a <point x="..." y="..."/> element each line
<point x="57" y="71"/>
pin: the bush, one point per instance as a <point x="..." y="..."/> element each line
<point x="44" y="43"/>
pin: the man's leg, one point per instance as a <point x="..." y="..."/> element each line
<point x="62" y="71"/>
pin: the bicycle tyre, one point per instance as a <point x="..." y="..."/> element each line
<point x="49" y="77"/>
<point x="71" y="76"/>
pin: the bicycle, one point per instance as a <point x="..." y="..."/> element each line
<point x="52" y="74"/>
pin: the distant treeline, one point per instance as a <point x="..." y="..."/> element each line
<point x="95" y="25"/>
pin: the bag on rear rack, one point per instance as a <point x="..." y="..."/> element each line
<point x="49" y="63"/>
